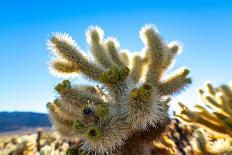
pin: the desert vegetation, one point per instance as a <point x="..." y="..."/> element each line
<point x="128" y="108"/>
<point x="125" y="108"/>
<point x="38" y="143"/>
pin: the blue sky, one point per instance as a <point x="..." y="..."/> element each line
<point x="204" y="28"/>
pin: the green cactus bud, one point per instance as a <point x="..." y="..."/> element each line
<point x="59" y="88"/>
<point x="63" y="87"/>
<point x="66" y="83"/>
<point x="114" y="75"/>
<point x="147" y="87"/>
<point x="82" y="152"/>
<point x="72" y="151"/>
<point x="142" y="94"/>
<point x="110" y="76"/>
<point x="78" y="126"/>
<point x="186" y="72"/>
<point x="94" y="133"/>
<point x="123" y="73"/>
<point x="49" y="105"/>
<point x="102" y="110"/>
<point x="57" y="102"/>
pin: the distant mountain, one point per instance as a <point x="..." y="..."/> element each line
<point x="10" y="121"/>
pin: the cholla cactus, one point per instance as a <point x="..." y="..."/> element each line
<point x="222" y="146"/>
<point x="177" y="140"/>
<point x="49" y="143"/>
<point x="127" y="108"/>
<point x="182" y="136"/>
<point x="217" y="114"/>
<point x="24" y="145"/>
<point x="205" y="144"/>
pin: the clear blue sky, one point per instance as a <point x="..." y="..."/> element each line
<point x="204" y="27"/>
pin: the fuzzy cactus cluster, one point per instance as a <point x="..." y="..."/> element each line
<point x="215" y="115"/>
<point x="127" y="108"/>
<point x="40" y="143"/>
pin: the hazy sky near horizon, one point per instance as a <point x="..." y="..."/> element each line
<point x="204" y="28"/>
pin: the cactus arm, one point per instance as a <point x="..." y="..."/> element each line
<point x="216" y="116"/>
<point x="175" y="83"/>
<point x="211" y="102"/>
<point x="210" y="88"/>
<point x="213" y="127"/>
<point x="226" y="90"/>
<point x="63" y="46"/>
<point x="124" y="58"/>
<point x="170" y="52"/>
<point x="62" y="67"/>
<point x="112" y="51"/>
<point x="225" y="120"/>
<point x="61" y="121"/>
<point x="137" y="68"/>
<point x="207" y="115"/>
<point x="94" y="37"/>
<point x="192" y="116"/>
<point x="82" y="96"/>
<point x="60" y="116"/>
<point x="154" y="52"/>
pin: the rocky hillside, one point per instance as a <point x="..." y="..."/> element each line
<point x="22" y="120"/>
